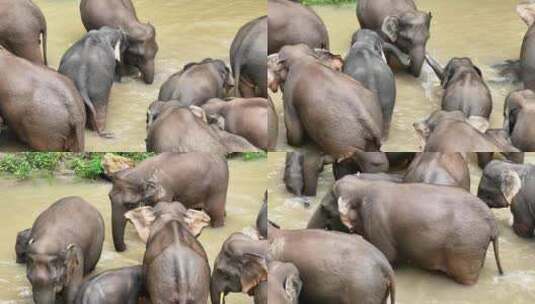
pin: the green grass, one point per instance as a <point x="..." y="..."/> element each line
<point x="253" y="155"/>
<point x="324" y="2"/>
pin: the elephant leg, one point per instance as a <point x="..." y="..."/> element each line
<point x="464" y="268"/>
<point x="312" y="166"/>
<point x="215" y="208"/>
<point x="101" y="109"/>
<point x="294" y="128"/>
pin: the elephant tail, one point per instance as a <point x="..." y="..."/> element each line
<point x="497" y="253"/>
<point x="44" y="39"/>
<point x="392" y="288"/>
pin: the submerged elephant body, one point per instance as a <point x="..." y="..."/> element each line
<point x="42" y="107"/>
<point x="166" y="177"/>
<point x="519" y="119"/>
<point x="22" y="25"/>
<point x="460" y="226"/>
<point x="121" y="14"/>
<point x="65" y="244"/>
<point x="118" y="286"/>
<point x="449" y="169"/>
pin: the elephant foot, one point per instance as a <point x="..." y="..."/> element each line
<point x="106" y="134"/>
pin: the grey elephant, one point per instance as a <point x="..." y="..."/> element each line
<point x="262" y="218"/>
<point x="400" y="23"/>
<point x="465" y="89"/>
<point x="246" y="117"/>
<point x="64" y="245"/>
<point x="505" y="184"/>
<point x="52" y="116"/>
<point x="460" y="226"/>
<point x="168" y="177"/>
<point x="90" y="63"/>
<point x="365" y="63"/>
<point x="117" y="286"/>
<point x="450" y="169"/>
<point x="451" y="132"/>
<point x="198" y="82"/>
<point x="175" y="265"/>
<point x="352" y="120"/>
<point x="292" y="23"/>
<point x="23" y="30"/>
<point x="121" y="14"/>
<point x="519" y="112"/>
<point x="240" y="266"/>
<point x="180" y="129"/>
<point x="324" y="272"/>
<point x="527" y="51"/>
<point x="247" y="59"/>
<point x="284" y="283"/>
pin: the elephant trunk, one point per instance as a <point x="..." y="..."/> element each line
<point x="217" y="293"/>
<point x="403" y="58"/>
<point x="417" y="56"/>
<point x="118" y="222"/>
<point x="45" y="295"/>
<point x="435" y="65"/>
<point x="147" y="71"/>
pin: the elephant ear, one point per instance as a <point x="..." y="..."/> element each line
<point x="292" y="286"/>
<point x="199" y="113"/>
<point x="390" y="28"/>
<point x="510" y="185"/>
<point x="74" y="271"/>
<point x="152" y="188"/>
<point x="254" y="272"/>
<point x="449" y="71"/>
<point x="526" y="11"/>
<point x="478" y="70"/>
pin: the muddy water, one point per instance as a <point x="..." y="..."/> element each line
<point x="186" y="31"/>
<point x="22" y="202"/>
<point x="416" y="286"/>
<point x="488" y="31"/>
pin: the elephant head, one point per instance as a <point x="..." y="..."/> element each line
<point x="142" y="49"/>
<point x="158" y="107"/>
<point x="53" y="274"/>
<point x="224" y="74"/>
<point x="239" y="267"/>
<point x="130" y="188"/>
<point x="21" y="245"/>
<point x="410" y="32"/>
<point x="499" y="184"/>
<point x="284" y="283"/>
<point x="373" y="41"/>
<point x="426" y="126"/>
<point x="516" y="102"/>
<point x="457" y="65"/>
<point x="327" y="215"/>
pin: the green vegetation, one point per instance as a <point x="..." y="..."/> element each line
<point x="324" y="2"/>
<point x="253" y="155"/>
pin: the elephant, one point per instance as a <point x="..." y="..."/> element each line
<point x="248" y="59"/>
<point x="519" y="110"/>
<point x="458" y="226"/>
<point x="179" y="129"/>
<point x="527" y="51"/>
<point x="23" y="30"/>
<point x="326" y="277"/>
<point x="367" y="162"/>
<point x="352" y="120"/>
<point x="117" y="286"/>
<point x="505" y="184"/>
<point x="175" y="265"/>
<point x="284" y="283"/>
<point x="65" y="243"/>
<point x="448" y="169"/>
<point x="483" y="158"/>
<point x="246" y="117"/>
<point x="400" y="23"/>
<point x="90" y="63"/>
<point x="450" y="132"/>
<point x="293" y="23"/>
<point x="42" y="107"/>
<point x="301" y="172"/>
<point x="197" y="82"/>
<point x="465" y="89"/>
<point x="240" y="266"/>
<point x="262" y="218"/>
<point x="121" y="14"/>
<point x="273" y="126"/>
<point x="365" y="63"/>
<point x="197" y="180"/>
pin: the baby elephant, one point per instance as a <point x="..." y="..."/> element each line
<point x="118" y="286"/>
<point x="438" y="228"/>
<point x="175" y="265"/>
<point x="464" y="87"/>
<point x="519" y="119"/>
<point x="91" y="64"/>
<point x="63" y="246"/>
<point x="197" y="82"/>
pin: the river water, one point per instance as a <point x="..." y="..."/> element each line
<point x="415" y="286"/>
<point x="186" y="31"/>
<point x="22" y="202"/>
<point x="488" y="31"/>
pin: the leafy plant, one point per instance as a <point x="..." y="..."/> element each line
<point x="254" y="155"/>
<point x="89" y="167"/>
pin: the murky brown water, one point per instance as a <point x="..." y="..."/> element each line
<point x="186" y="31"/>
<point x="22" y="202"/>
<point x="415" y="286"/>
<point x="488" y="31"/>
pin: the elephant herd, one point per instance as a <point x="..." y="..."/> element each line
<point x="206" y="106"/>
<point x="65" y="242"/>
